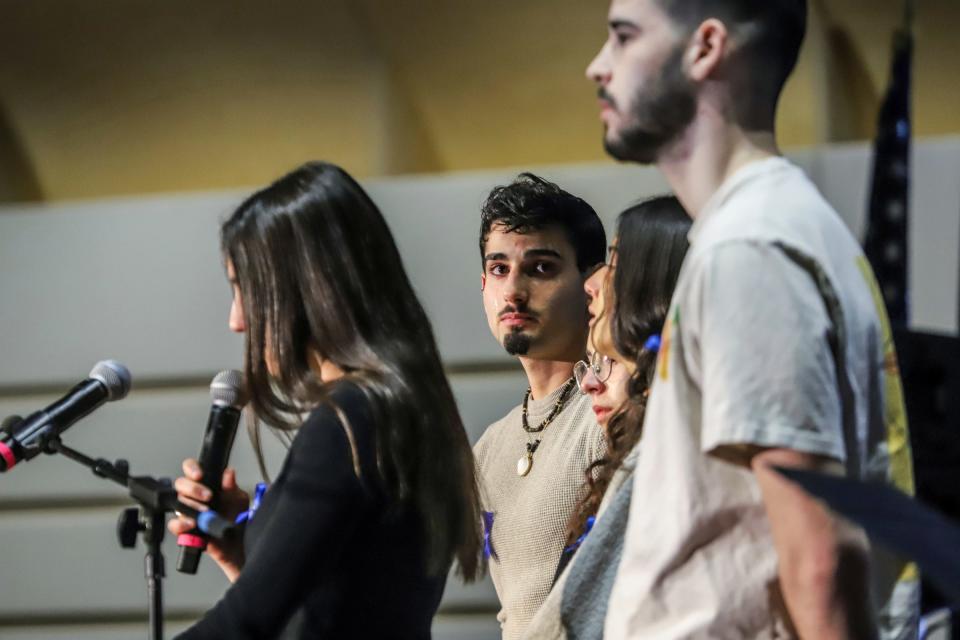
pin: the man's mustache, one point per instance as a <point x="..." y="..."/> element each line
<point x="606" y="97"/>
<point x="517" y="309"/>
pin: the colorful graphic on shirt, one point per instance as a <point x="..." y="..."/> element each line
<point x="666" y="340"/>
<point x="894" y="407"/>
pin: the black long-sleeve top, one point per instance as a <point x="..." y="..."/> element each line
<point x="323" y="557"/>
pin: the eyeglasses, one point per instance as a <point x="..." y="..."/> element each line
<point x="600" y="366"/>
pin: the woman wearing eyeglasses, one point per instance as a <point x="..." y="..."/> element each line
<point x="630" y="296"/>
<point x="605" y="381"/>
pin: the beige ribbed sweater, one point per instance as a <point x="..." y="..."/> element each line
<point x="530" y="513"/>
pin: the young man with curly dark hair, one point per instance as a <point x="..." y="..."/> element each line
<point x="538" y="244"/>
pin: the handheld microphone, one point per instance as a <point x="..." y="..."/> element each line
<point x="25" y="439"/>
<point x="226" y="392"/>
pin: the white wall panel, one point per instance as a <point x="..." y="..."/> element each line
<point x="65" y="562"/>
<point x="466" y="627"/>
<point x="833" y="171"/>
<point x="484" y="398"/>
<point x="128" y="631"/>
<point x="935" y="236"/>
<point x="155" y="429"/>
<point x="842" y="173"/>
<point x="139" y="280"/>
<point x="459" y="627"/>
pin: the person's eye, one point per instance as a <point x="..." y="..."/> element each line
<point x="497" y="269"/>
<point x="544" y="268"/>
<point x="622" y="37"/>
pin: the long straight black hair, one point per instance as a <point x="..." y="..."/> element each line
<point x="319" y="273"/>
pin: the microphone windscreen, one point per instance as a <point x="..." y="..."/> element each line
<point x="115" y="377"/>
<point x="227" y="389"/>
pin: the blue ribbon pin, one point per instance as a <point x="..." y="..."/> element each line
<point x="488" y="551"/>
<point x="583" y="536"/>
<point x="257" y="497"/>
<point x="652" y="343"/>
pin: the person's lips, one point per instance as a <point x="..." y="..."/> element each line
<point x="592" y="314"/>
<point x="606" y="111"/>
<point x="601" y="412"/>
<point x="604" y="98"/>
<point x="605" y="103"/>
<point x="516" y="319"/>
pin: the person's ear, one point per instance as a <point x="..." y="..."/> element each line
<point x="706" y="49"/>
<point x="483" y="281"/>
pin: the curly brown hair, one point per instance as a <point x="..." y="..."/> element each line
<point x="652" y="242"/>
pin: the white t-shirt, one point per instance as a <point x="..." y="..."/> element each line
<point x="777" y="337"/>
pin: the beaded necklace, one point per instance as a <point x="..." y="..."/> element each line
<point x="525" y="463"/>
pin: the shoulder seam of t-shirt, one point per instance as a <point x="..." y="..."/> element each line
<point x="838" y="344"/>
<point x="821" y="283"/>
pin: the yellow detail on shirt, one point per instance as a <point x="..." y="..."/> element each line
<point x="894" y="411"/>
<point x="664" y="357"/>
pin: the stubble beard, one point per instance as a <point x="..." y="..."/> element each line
<point x="658" y="115"/>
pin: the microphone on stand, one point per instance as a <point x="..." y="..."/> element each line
<point x="24" y="439"/>
<point x="227" y="394"/>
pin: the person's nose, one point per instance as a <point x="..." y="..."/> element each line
<point x="235" y="320"/>
<point x="593" y="284"/>
<point x="590" y="385"/>
<point x="516" y="290"/>
<point x="598" y="70"/>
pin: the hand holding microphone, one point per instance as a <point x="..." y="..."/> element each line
<point x="227" y="552"/>
<point x="208" y="483"/>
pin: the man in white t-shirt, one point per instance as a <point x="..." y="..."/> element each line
<point x="776" y="351"/>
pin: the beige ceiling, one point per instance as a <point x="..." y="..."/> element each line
<point x="105" y="97"/>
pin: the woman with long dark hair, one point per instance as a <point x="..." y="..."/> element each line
<point x="630" y="296"/>
<point x="377" y="495"/>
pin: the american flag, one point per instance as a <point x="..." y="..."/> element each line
<point x="886" y="243"/>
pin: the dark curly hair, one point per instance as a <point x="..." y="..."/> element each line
<point x="530" y="203"/>
<point x="651" y="245"/>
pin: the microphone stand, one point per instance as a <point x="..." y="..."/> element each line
<point x="156" y="498"/>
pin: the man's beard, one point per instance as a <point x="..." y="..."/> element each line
<point x="658" y="115"/>
<point x="517" y="343"/>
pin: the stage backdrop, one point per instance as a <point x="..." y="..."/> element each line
<point x="141" y="280"/>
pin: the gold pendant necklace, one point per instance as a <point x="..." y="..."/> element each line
<point x="525" y="463"/>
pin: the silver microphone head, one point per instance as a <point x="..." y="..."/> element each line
<point x="227" y="389"/>
<point x="114" y="376"/>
